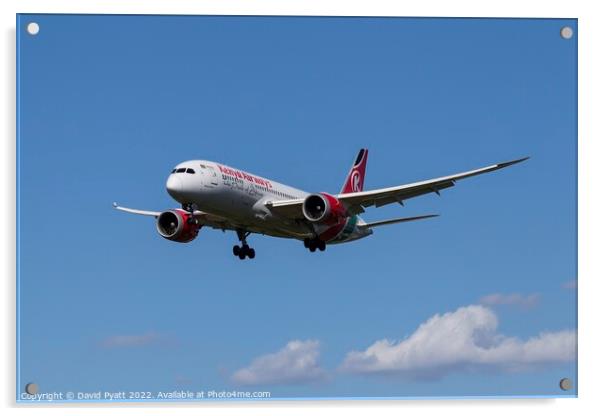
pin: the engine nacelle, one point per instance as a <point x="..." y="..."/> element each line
<point x="323" y="208"/>
<point x="174" y="225"/>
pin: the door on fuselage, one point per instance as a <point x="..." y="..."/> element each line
<point x="209" y="176"/>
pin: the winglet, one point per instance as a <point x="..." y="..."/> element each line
<point x="114" y="204"/>
<point x="512" y="162"/>
<point x="397" y="220"/>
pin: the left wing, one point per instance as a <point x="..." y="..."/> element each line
<point x="355" y="202"/>
<point x="398" y="220"/>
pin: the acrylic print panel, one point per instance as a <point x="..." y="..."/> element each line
<point x="193" y="124"/>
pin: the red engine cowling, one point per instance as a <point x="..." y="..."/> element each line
<point x="174" y="225"/>
<point x="323" y="208"/>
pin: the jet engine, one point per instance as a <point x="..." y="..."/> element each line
<point x="175" y="225"/>
<point x="323" y="208"/>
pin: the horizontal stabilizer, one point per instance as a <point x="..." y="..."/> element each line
<point x="396" y="220"/>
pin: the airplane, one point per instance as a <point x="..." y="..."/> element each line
<point x="220" y="197"/>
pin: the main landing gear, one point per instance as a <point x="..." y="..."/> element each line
<point x="314" y="243"/>
<point x="243" y="251"/>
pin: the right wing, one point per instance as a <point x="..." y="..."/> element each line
<point x="204" y="218"/>
<point x="136" y="211"/>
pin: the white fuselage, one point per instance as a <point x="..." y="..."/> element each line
<point x="241" y="197"/>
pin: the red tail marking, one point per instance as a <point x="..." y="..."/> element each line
<point x="355" y="178"/>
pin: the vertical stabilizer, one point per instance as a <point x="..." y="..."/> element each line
<point x="355" y="178"/>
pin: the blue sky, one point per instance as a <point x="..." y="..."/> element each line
<point x="109" y="104"/>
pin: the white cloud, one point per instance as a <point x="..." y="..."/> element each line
<point x="296" y="363"/>
<point x="516" y="299"/>
<point x="466" y="339"/>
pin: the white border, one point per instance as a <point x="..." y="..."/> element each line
<point x="590" y="135"/>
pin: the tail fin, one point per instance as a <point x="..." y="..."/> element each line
<point x="355" y="178"/>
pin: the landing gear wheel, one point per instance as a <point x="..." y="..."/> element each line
<point x="244" y="250"/>
<point x="314" y="244"/>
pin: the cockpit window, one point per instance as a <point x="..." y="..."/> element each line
<point x="173" y="171"/>
<point x="189" y="170"/>
<point x="181" y="170"/>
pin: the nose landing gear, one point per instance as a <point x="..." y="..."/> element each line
<point x="190" y="208"/>
<point x="243" y="251"/>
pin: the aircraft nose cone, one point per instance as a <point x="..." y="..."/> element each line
<point x="174" y="186"/>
